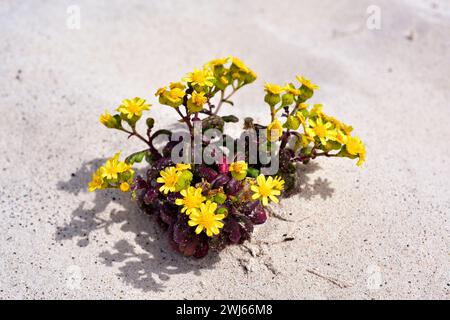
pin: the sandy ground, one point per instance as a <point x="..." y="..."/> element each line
<point x="372" y="233"/>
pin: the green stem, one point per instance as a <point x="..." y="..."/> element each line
<point x="219" y="105"/>
<point x="190" y="126"/>
<point x="222" y="99"/>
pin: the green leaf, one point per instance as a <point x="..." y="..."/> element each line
<point x="136" y="157"/>
<point x="252" y="172"/>
<point x="230" y="118"/>
<point x="160" y="132"/>
<point x="334" y="145"/>
<point x="228" y="101"/>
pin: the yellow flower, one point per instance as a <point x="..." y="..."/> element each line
<point x="160" y="91"/>
<point x="217" y="62"/>
<point x="291" y="90"/>
<point x="182" y="166"/>
<point x="340" y="125"/>
<point x="175" y="95"/>
<point x="200" y="77"/>
<point x="252" y="74"/>
<point x="341" y="137"/>
<point x="355" y="147"/>
<point x="239" y="64"/>
<point x="178" y="85"/>
<point x="196" y="102"/>
<point x="97" y="181"/>
<point x="274" y="130"/>
<point x="321" y="130"/>
<point x="113" y="167"/>
<point x="306" y="140"/>
<point x="317" y="110"/>
<point x="124" y="187"/>
<point x="169" y="178"/>
<point x="239" y="167"/>
<point x="205" y="218"/>
<point x="303" y="105"/>
<point x="192" y="199"/>
<point x="106" y="118"/>
<point x="307" y="83"/>
<point x="278" y="183"/>
<point x="133" y="108"/>
<point x="347" y="129"/>
<point x="273" y="88"/>
<point x="300" y="117"/>
<point x="265" y="190"/>
<point x="362" y="157"/>
<point x="224" y="80"/>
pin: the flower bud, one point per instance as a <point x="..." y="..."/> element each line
<point x="109" y="121"/>
<point x="184" y="180"/>
<point x="249" y="77"/>
<point x="213" y="122"/>
<point x="150" y="122"/>
<point x="272" y="99"/>
<point x="287" y="99"/>
<point x="239" y="175"/>
<point x="220" y="198"/>
<point x="222" y="210"/>
<point x="306" y="93"/>
<point x="292" y="123"/>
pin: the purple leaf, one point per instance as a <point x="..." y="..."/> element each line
<point x="220" y="181"/>
<point x="207" y="173"/>
<point x="202" y="249"/>
<point x="150" y="196"/>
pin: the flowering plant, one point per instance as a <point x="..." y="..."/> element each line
<point x="209" y="189"/>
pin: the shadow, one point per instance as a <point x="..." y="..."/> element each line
<point x="307" y="189"/>
<point x="81" y="177"/>
<point x="146" y="261"/>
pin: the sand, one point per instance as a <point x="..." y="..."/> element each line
<point x="379" y="232"/>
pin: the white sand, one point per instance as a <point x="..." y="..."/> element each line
<point x="379" y="232"/>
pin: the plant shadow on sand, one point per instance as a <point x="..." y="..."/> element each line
<point x="147" y="261"/>
<point x="306" y="188"/>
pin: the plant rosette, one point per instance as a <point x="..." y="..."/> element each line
<point x="206" y="188"/>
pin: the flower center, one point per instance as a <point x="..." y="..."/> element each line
<point x="198" y="77"/>
<point x="207" y="220"/>
<point x="191" y="202"/>
<point x="171" y="181"/>
<point x="111" y="170"/>
<point x="321" y="131"/>
<point x="265" y="190"/>
<point x="97" y="180"/>
<point x="133" y="108"/>
<point x="198" y="101"/>
<point x="173" y="94"/>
